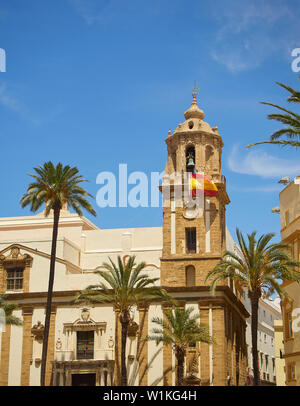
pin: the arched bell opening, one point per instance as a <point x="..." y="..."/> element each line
<point x="190" y="159"/>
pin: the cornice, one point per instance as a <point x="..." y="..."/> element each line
<point x="68" y="264"/>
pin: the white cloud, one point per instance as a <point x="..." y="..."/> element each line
<point x="90" y="10"/>
<point x="247" y="33"/>
<point x="10" y="101"/>
<point x="259" y="189"/>
<point x="257" y="162"/>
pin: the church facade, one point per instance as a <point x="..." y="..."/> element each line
<point x="84" y="341"/>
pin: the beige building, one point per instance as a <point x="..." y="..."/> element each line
<point x="279" y="350"/>
<point x="84" y="340"/>
<point x="290" y="233"/>
<point x="268" y="312"/>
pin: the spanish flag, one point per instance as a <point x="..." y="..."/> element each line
<point x="197" y="185"/>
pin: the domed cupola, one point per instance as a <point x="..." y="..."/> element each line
<point x="194" y="111"/>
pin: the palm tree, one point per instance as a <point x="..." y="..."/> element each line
<point x="180" y="329"/>
<point x="259" y="269"/>
<point x="124" y="286"/>
<point x="289" y="118"/>
<point x="56" y="187"/>
<point x="8" y="309"/>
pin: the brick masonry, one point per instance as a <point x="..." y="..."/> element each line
<point x="5" y="351"/>
<point x="51" y="349"/>
<point x="27" y="346"/>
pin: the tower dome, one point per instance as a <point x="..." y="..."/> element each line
<point x="194" y="111"/>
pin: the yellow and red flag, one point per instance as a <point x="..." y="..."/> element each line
<point x="199" y="183"/>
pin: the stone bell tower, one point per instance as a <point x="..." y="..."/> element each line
<point x="193" y="238"/>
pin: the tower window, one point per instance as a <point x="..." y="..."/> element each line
<point x="190" y="238"/>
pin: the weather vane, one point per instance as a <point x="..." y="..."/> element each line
<point x="195" y="89"/>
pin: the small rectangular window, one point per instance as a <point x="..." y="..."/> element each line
<point x="292" y="372"/>
<point x="190" y="238"/>
<point x="14" y="278"/>
<point x="287" y="217"/>
<point x="289" y="323"/>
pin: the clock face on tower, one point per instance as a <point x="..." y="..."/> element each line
<point x="191" y="211"/>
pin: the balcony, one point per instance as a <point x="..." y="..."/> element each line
<point x="70" y="355"/>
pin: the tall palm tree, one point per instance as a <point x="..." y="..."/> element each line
<point x="8" y="309"/>
<point x="259" y="269"/>
<point x="124" y="285"/>
<point x="179" y="328"/>
<point x="287" y="117"/>
<point x="56" y="187"/>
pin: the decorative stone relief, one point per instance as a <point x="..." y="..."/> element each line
<point x="37" y="331"/>
<point x="132" y="329"/>
<point x="58" y="344"/>
<point x="85" y="314"/>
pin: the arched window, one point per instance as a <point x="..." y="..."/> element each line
<point x="190" y="158"/>
<point x="190" y="277"/>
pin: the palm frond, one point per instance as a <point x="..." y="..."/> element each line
<point x="56" y="186"/>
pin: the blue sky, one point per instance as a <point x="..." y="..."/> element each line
<point x="95" y="83"/>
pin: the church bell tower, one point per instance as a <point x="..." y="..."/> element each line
<point x="194" y="241"/>
<point x="194" y="238"/>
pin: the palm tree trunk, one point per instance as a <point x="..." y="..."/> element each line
<point x="124" y="319"/>
<point x="49" y="296"/>
<point x="180" y="366"/>
<point x="254" y="298"/>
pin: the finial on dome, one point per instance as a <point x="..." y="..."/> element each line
<point x="194" y="111"/>
<point x="195" y="93"/>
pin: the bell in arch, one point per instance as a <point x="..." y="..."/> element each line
<point x="190" y="164"/>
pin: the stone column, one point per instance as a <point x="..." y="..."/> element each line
<point x="181" y="306"/>
<point x="2" y="277"/>
<point x="117" y="369"/>
<point x="142" y="346"/>
<point x="167" y="355"/>
<point x="5" y="351"/>
<point x="27" y="346"/>
<point x="51" y="348"/>
<point x="219" y="349"/>
<point x="204" y="348"/>
<point x="228" y="366"/>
